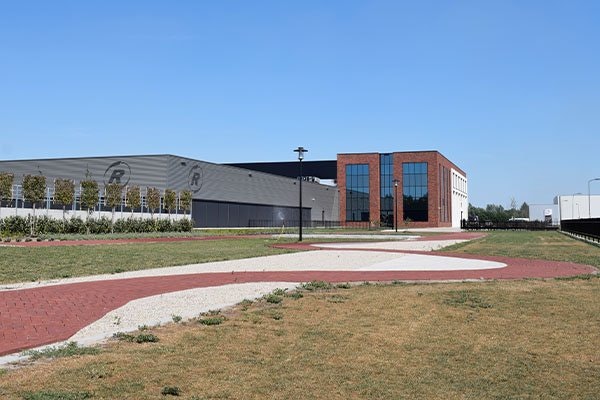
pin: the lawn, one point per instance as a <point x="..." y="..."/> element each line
<point x="22" y="264"/>
<point x="493" y="340"/>
<point x="541" y="245"/>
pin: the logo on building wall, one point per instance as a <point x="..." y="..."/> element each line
<point x="195" y="179"/>
<point x="117" y="172"/>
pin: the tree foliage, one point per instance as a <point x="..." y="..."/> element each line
<point x="185" y="200"/>
<point x="89" y="194"/>
<point x="64" y="193"/>
<point x="6" y="183"/>
<point x="497" y="213"/>
<point x="114" y="195"/>
<point x="134" y="198"/>
<point x="170" y="200"/>
<point x="34" y="188"/>
<point x="152" y="199"/>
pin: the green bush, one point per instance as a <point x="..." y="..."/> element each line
<point x="99" y="226"/>
<point x="15" y="226"/>
<point x="75" y="225"/>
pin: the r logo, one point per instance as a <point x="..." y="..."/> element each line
<point x="195" y="178"/>
<point x="118" y="172"/>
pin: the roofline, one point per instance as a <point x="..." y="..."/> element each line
<point x="93" y="157"/>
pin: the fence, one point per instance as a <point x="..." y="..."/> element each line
<point x="17" y="205"/>
<point x="271" y="223"/>
<point x="588" y="229"/>
<point x="508" y="225"/>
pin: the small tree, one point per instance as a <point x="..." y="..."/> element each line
<point x="185" y="200"/>
<point x="34" y="188"/>
<point x="64" y="193"/>
<point x="89" y="194"/>
<point x="152" y="199"/>
<point x="6" y="184"/>
<point x="134" y="198"/>
<point x="114" y="196"/>
<point x="170" y="200"/>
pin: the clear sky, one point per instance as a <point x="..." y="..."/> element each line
<point x="508" y="90"/>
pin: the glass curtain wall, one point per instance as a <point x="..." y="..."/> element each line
<point x="386" y="174"/>
<point x="414" y="191"/>
<point x="357" y="192"/>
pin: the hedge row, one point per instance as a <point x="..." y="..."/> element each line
<point x="21" y="226"/>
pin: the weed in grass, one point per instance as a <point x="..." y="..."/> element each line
<point x="176" y="318"/>
<point x="170" y="391"/>
<point x="295" y="295"/>
<point x="316" y="285"/>
<point x="143" y="327"/>
<point x="212" y="321"/>
<point x="585" y="277"/>
<point x="3" y="371"/>
<point x="279" y="292"/>
<point x="52" y="395"/>
<point x="343" y="285"/>
<point x="211" y="313"/>
<point x="67" y="350"/>
<point x="245" y="304"/>
<point x="117" y="271"/>
<point x="141" y="338"/>
<point x="466" y="298"/>
<point x="337" y="299"/>
<point x="276" y="315"/>
<point x="273" y="299"/>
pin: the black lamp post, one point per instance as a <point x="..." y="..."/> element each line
<point x="300" y="151"/>
<point x="396" y="204"/>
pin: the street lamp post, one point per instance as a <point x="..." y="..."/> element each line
<point x="590" y="197"/>
<point x="300" y="151"/>
<point x="396" y="204"/>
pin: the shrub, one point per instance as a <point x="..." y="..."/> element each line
<point x="99" y="226"/>
<point x="47" y="225"/>
<point x="163" y="225"/>
<point x="316" y="285"/>
<point x="170" y="391"/>
<point x="75" y="225"/>
<point x="15" y="225"/>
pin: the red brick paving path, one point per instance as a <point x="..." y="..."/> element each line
<point x="38" y="316"/>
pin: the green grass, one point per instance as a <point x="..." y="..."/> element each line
<point x="23" y="264"/>
<point x="533" y="339"/>
<point x="68" y="350"/>
<point x="553" y="246"/>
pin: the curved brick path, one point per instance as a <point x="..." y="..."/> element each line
<point x="38" y="316"/>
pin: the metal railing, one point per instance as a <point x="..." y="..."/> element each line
<point x="271" y="223"/>
<point x="588" y="229"/>
<point x="508" y="225"/>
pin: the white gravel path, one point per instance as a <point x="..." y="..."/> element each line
<point x="189" y="303"/>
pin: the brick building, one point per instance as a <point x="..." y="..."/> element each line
<point x="425" y="188"/>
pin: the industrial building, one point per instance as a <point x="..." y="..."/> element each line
<point x="414" y="189"/>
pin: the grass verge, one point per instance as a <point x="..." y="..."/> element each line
<point x="23" y="264"/>
<point x="506" y="339"/>
<point x="553" y="246"/>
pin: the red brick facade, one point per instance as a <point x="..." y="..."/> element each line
<point x="436" y="202"/>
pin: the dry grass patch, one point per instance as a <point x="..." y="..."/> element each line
<point x="528" y="339"/>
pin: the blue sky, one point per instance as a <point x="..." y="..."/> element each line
<point x="508" y="90"/>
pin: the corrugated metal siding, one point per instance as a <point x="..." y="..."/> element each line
<point x="218" y="182"/>
<point x="145" y="170"/>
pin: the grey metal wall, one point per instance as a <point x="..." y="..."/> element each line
<point x="207" y="181"/>
<point x="137" y="170"/>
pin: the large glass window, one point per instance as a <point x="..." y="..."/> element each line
<point x="414" y="191"/>
<point x="386" y="173"/>
<point x="357" y="192"/>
